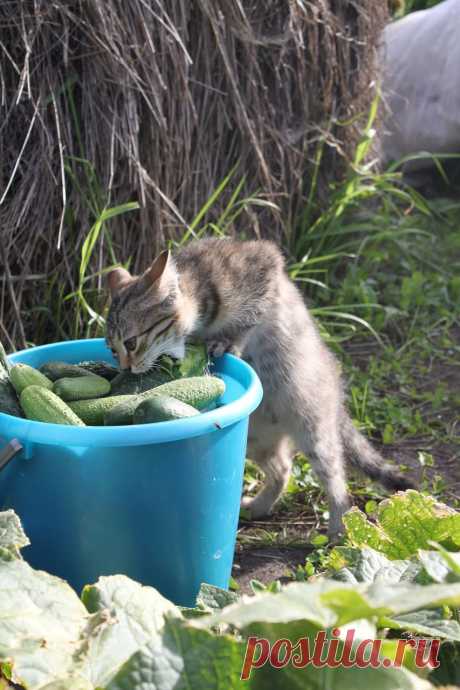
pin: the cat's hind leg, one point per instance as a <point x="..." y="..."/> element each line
<point x="320" y="440"/>
<point x="273" y="454"/>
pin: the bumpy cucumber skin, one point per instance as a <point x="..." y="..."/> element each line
<point x="127" y="383"/>
<point x="42" y="405"/>
<point x="107" y="371"/>
<point x="22" y="376"/>
<point x="122" y="413"/>
<point x="197" y="391"/>
<point x="60" y="370"/>
<point x="162" y="408"/>
<point x="92" y="411"/>
<point x="81" y="388"/>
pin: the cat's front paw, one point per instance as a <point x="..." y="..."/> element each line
<point x="217" y="348"/>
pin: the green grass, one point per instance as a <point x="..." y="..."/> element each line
<point x="369" y="208"/>
<point x="407" y="6"/>
<point x="415" y="283"/>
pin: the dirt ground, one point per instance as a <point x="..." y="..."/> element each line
<point x="289" y="531"/>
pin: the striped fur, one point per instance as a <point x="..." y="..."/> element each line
<point x="237" y="295"/>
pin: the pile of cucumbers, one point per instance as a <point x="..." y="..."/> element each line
<point x="97" y="394"/>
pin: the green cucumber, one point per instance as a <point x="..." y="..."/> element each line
<point x="81" y="388"/>
<point x="42" y="405"/>
<point x="107" y="371"/>
<point x="127" y="383"/>
<point x="60" y="370"/>
<point x="121" y="413"/>
<point x="22" y="376"/>
<point x="92" y="411"/>
<point x="197" y="391"/>
<point x="162" y="408"/>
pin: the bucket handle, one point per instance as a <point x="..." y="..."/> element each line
<point x="8" y="452"/>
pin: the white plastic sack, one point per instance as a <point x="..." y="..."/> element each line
<point x="421" y="83"/>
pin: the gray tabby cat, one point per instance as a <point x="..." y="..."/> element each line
<point x="236" y="295"/>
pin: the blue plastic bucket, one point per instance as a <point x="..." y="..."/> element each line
<point x="157" y="502"/>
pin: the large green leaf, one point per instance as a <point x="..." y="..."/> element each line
<point x="195" y="360"/>
<point x="118" y="592"/>
<point x="127" y="616"/>
<point x="194" y="363"/>
<point x="368" y="565"/>
<point x="296" y="602"/>
<point x="353" y="565"/>
<point x="211" y="597"/>
<point x="326" y="603"/>
<point x="183" y="658"/>
<point x="405" y="522"/>
<point x="426" y="622"/>
<point x="12" y="536"/>
<point x="437" y="567"/>
<point x="124" y="636"/>
<point x="41" y="619"/>
<point x="49" y="637"/>
<point x="310" y="678"/>
<point x="303" y="609"/>
<point x="406" y="597"/>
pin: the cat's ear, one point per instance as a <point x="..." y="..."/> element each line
<point x="159" y="268"/>
<point x="118" y="279"/>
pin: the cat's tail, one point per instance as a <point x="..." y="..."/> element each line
<point x="364" y="457"/>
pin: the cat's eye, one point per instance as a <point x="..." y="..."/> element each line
<point x="130" y="344"/>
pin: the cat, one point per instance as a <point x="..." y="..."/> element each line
<point x="236" y="296"/>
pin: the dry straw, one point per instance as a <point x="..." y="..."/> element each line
<point x="163" y="98"/>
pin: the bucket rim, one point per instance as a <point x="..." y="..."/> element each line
<point x="29" y="431"/>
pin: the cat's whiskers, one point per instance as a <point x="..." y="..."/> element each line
<point x="165" y="345"/>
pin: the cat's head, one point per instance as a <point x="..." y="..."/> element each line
<point x="146" y="318"/>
